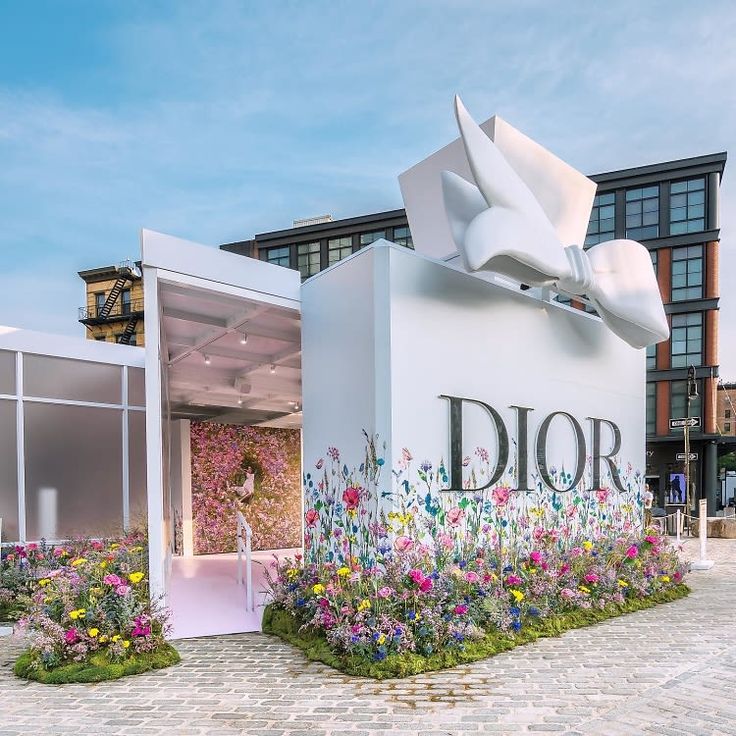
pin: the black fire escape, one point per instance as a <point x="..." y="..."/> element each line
<point x="115" y="309"/>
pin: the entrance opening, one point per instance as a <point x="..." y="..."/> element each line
<point x="231" y="377"/>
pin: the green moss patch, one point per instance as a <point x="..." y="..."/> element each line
<point x="98" y="669"/>
<point x="281" y="623"/>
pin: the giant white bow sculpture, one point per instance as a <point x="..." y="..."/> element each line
<point x="501" y="226"/>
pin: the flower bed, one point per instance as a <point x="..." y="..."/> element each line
<point x="89" y="616"/>
<point x="424" y="609"/>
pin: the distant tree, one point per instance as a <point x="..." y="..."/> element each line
<point x="727" y="461"/>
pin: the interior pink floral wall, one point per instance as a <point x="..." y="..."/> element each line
<point x="255" y="469"/>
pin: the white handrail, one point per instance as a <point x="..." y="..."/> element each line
<point x="244" y="548"/>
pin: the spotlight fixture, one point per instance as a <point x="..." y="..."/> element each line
<point x="244" y="338"/>
<point x="207" y="359"/>
<point x="273" y="368"/>
<point x="296" y="406"/>
<point x="240" y="400"/>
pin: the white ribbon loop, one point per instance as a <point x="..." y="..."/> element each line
<point x="500" y="226"/>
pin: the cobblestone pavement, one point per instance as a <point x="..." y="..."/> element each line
<point x="667" y="670"/>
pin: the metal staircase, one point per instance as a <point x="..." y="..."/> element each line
<point x="112" y="297"/>
<point x="129" y="329"/>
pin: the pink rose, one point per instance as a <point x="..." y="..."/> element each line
<point x="311" y="517"/>
<point x="113" y="580"/>
<point x="472" y="577"/>
<point x="536" y="557"/>
<point x="602" y="495"/>
<point x="632" y="552"/>
<point x="403" y="544"/>
<point x="455" y="516"/>
<point x="351" y="497"/>
<point x="122" y="590"/>
<point x="501" y="495"/>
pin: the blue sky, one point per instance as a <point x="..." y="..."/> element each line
<point x="216" y="120"/>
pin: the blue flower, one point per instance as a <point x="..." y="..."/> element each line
<point x="515" y="611"/>
<point x="380" y="654"/>
<point x="508" y="568"/>
<point x="354" y="639"/>
<point x="533" y="611"/>
<point x="300" y="601"/>
<point x="516" y="625"/>
<point x="462" y="564"/>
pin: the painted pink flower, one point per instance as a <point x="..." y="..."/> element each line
<point x="567" y="593"/>
<point x="536" y="557"/>
<point x="591" y="577"/>
<point x="311" y="517"/>
<point x="445" y="541"/>
<point x="652" y="540"/>
<point x="513" y="580"/>
<point x="564" y="569"/>
<point x="122" y="590"/>
<point x="351" y="497"/>
<point x="416" y="576"/>
<point x="385" y="592"/>
<point x="472" y="577"/>
<point x="576" y="552"/>
<point x="403" y="544"/>
<point x="426" y="585"/>
<point x="602" y="495"/>
<point x="455" y="516"/>
<point x="113" y="580"/>
<point x="460" y="610"/>
<point x="632" y="552"/>
<point x="71" y="636"/>
<point x="500" y="495"/>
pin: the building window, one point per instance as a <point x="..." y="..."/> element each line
<point x="99" y="302"/>
<point x="133" y="340"/>
<point x="101" y="338"/>
<point x="687" y="339"/>
<point x="655" y="260"/>
<point x="125" y="301"/>
<point x="308" y="259"/>
<point x="727" y="427"/>
<point x="339" y="248"/>
<point x="651" y="357"/>
<point x="727" y="414"/>
<point x="368" y="238"/>
<point x="687" y="273"/>
<point x="279" y="256"/>
<point x="402" y="236"/>
<point x="687" y="206"/>
<point x="678" y="402"/>
<point x="642" y="212"/>
<point x="651" y="408"/>
<point x="602" y="219"/>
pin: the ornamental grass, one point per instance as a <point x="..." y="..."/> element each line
<point x="87" y="612"/>
<point x="422" y="607"/>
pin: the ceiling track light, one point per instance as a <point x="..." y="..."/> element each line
<point x="244" y="338"/>
<point x="240" y="401"/>
<point x="207" y="359"/>
<point x="273" y="368"/>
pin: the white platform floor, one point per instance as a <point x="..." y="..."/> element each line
<point x="206" y="599"/>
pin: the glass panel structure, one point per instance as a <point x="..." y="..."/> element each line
<point x="602" y="219"/>
<point x="687" y="273"/>
<point x="8" y="470"/>
<point x="402" y="236"/>
<point x="76" y="380"/>
<point x="678" y="402"/>
<point x="308" y="259"/>
<point x="136" y="387"/>
<point x="137" y="474"/>
<point x="61" y="501"/>
<point x="687" y="206"/>
<point x="7" y="372"/>
<point x="655" y="260"/>
<point x="651" y="408"/>
<point x="687" y="340"/>
<point x="278" y="256"/>
<point x="339" y="248"/>
<point x="642" y="212"/>
<point x="368" y="238"/>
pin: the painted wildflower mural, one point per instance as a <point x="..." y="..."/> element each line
<point x="253" y="469"/>
<point x="347" y="515"/>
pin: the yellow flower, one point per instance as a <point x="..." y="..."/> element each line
<point x="532" y="570"/>
<point x="43" y="582"/>
<point x="518" y="595"/>
<point x="77" y="613"/>
<point x="47" y="599"/>
<point x="291" y="573"/>
<point x="382" y="639"/>
<point x="126" y="643"/>
<point x="364" y="604"/>
<point x="114" y="545"/>
<point x="665" y="578"/>
<point x="93" y="632"/>
<point x="136" y="549"/>
<point x="116" y="637"/>
<point x="318" y="589"/>
<point x="623" y="584"/>
<point x="587" y="545"/>
<point x="343" y="571"/>
<point x="135" y="577"/>
<point x="79" y="561"/>
<point x="103" y="639"/>
<point x="583" y="589"/>
<point x="103" y="564"/>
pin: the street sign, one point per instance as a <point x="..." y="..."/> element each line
<point x="681" y="456"/>
<point x="684" y="422"/>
